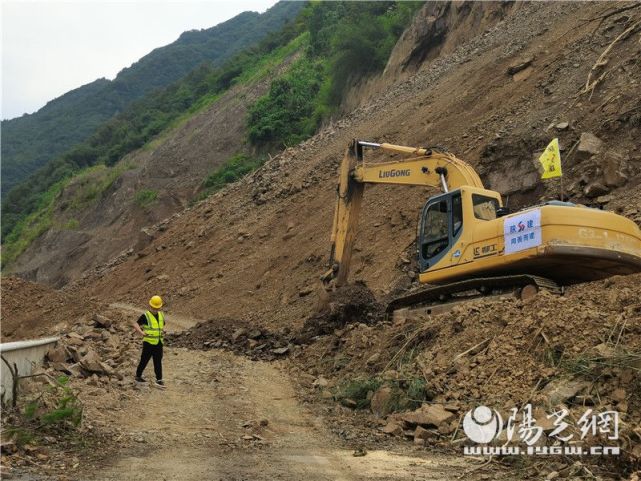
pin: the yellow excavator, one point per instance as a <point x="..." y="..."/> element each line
<point x="468" y="244"/>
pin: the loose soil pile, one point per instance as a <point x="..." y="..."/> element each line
<point x="31" y="310"/>
<point x="580" y="350"/>
<point x="238" y="336"/>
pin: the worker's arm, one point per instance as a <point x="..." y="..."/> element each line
<point x="137" y="325"/>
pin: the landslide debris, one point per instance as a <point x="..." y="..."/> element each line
<point x="578" y="351"/>
<point x="339" y="308"/>
<point x="342" y="306"/>
<point x="95" y="358"/>
<point x="31" y="310"/>
<point x="241" y="337"/>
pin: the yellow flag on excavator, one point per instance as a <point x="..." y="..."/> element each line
<point x="551" y="160"/>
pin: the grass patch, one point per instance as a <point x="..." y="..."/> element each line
<point x="359" y="390"/>
<point x="145" y="198"/>
<point x="91" y="183"/>
<point x="55" y="410"/>
<point x="71" y="224"/>
<point x="86" y="187"/>
<point x="405" y="393"/>
<point x="592" y="366"/>
<point x="235" y="168"/>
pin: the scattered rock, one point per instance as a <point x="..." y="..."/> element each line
<point x="562" y="390"/>
<point x="421" y="433"/>
<point x="359" y="452"/>
<point x="595" y="189"/>
<point x="320" y="382"/>
<point x="373" y="359"/>
<point x="91" y="362"/>
<point x="306" y="291"/>
<point x="58" y="353"/>
<point x="238" y="333"/>
<point x="8" y="447"/>
<point x="589" y="145"/>
<point x="613" y="169"/>
<point x="522" y="65"/>
<point x="102" y="321"/>
<point x="381" y="401"/>
<point x="428" y="415"/>
<point x="392" y="428"/>
<point x="350" y="403"/>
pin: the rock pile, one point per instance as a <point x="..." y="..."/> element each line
<point x="99" y="348"/>
<point x="95" y="360"/>
<point x="239" y="337"/>
<point x="574" y="352"/>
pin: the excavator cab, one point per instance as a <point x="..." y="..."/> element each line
<point x="451" y="222"/>
<point x="440" y="227"/>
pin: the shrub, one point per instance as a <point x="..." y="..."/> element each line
<point x="146" y="197"/>
<point x="232" y="170"/>
<point x="358" y="390"/>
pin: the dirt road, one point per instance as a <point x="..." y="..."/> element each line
<point x="207" y="425"/>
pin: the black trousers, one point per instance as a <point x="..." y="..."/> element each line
<point x="149" y="351"/>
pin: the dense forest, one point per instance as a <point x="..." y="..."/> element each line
<point x="29" y="141"/>
<point x="339" y="43"/>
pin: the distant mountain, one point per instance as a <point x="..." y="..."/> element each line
<point x="30" y="141"/>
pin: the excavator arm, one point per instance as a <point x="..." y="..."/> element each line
<point x="425" y="167"/>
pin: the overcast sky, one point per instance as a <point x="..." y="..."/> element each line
<point x="51" y="47"/>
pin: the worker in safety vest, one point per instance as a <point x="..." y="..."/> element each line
<point x="150" y="326"/>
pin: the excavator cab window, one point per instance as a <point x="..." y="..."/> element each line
<point x="485" y="208"/>
<point x="441" y="224"/>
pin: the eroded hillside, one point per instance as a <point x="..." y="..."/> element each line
<point x="256" y="249"/>
<point x="145" y="187"/>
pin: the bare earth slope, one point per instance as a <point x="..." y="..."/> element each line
<point x="174" y="166"/>
<point x="255" y="250"/>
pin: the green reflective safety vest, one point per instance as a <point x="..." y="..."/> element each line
<point x="153" y="329"/>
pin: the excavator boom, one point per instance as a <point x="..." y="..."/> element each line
<point x="426" y="167"/>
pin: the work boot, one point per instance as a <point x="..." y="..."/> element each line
<point x="140" y="379"/>
<point x="160" y="384"/>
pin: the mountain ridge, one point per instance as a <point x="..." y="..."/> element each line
<point x="31" y="140"/>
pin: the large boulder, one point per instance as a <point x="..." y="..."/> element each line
<point x="561" y="390"/>
<point x="91" y="362"/>
<point x="614" y="166"/>
<point x="102" y="321"/>
<point x="58" y="353"/>
<point x="595" y="189"/>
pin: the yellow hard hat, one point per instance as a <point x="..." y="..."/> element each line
<point x="155" y="302"/>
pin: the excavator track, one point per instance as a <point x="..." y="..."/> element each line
<point x="437" y="299"/>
